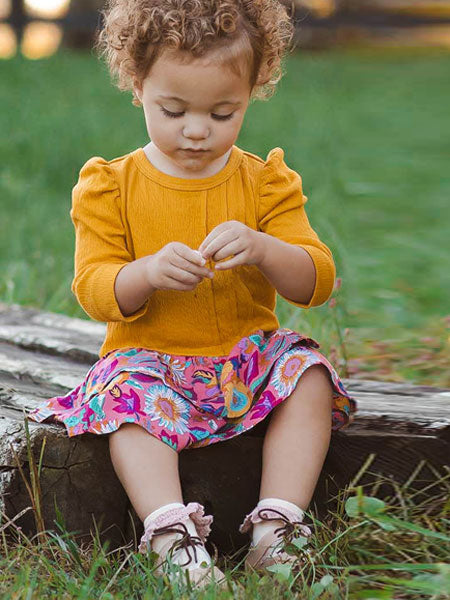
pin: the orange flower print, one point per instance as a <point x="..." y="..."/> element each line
<point x="207" y="378"/>
<point x="113" y="386"/>
<point x="341" y="402"/>
<point x="238" y="398"/>
<point x="168" y="408"/>
<point x="287" y="371"/>
<point x="175" y="370"/>
<point x="227" y="371"/>
<point x="115" y="391"/>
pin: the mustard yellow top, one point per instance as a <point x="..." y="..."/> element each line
<point x="126" y="208"/>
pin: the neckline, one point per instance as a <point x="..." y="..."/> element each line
<point x="180" y="183"/>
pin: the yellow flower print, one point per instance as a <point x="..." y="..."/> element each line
<point x="227" y="370"/>
<point x="340" y="402"/>
<point x="238" y="398"/>
<point x="113" y="386"/>
<point x="115" y="391"/>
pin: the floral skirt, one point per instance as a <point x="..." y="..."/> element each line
<point x="193" y="401"/>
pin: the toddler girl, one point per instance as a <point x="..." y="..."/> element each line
<point x="181" y="246"/>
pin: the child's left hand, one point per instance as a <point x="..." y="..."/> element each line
<point x="233" y="237"/>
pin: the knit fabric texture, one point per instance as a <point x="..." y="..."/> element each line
<point x="125" y="209"/>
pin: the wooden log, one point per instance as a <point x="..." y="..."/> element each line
<point x="398" y="426"/>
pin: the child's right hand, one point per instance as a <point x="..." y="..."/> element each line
<point x="176" y="267"/>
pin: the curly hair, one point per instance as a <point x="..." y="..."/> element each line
<point x="256" y="33"/>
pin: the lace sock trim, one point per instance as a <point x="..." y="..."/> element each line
<point x="192" y="510"/>
<point x="268" y="513"/>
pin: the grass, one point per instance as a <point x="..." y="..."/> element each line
<point x="365" y="548"/>
<point x="350" y="557"/>
<point x="369" y="134"/>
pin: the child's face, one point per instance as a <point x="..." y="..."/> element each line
<point x="208" y="114"/>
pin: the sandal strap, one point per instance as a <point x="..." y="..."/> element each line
<point x="193" y="510"/>
<point x="271" y="547"/>
<point x="188" y="541"/>
<point x="291" y="527"/>
<point x="286" y="531"/>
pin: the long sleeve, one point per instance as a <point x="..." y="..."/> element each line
<point x="100" y="242"/>
<point x="282" y="215"/>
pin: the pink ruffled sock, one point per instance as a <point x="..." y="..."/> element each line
<point x="192" y="517"/>
<point x="259" y="527"/>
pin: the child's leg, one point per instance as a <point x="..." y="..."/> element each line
<point x="148" y="471"/>
<point x="297" y="440"/>
<point x="295" y="446"/>
<point x="146" y="467"/>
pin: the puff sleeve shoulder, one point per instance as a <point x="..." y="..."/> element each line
<point x="282" y="214"/>
<point x="100" y="242"/>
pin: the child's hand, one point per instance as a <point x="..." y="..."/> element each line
<point x="233" y="237"/>
<point x="176" y="267"/>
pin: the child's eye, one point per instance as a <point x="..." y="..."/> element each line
<point x="222" y="117"/>
<point x="173" y="115"/>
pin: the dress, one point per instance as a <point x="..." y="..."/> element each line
<point x="194" y="401"/>
<point x="196" y="367"/>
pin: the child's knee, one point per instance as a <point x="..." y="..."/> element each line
<point x="317" y="372"/>
<point x="125" y="429"/>
<point x="317" y="377"/>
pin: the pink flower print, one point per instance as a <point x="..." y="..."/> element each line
<point x="88" y="417"/>
<point x="287" y="371"/>
<point x="243" y="344"/>
<point x="143" y="377"/>
<point x="251" y="371"/>
<point x="68" y="401"/>
<point x="127" y="403"/>
<point x="168" y="408"/>
<point x="172" y="440"/>
<point x="109" y="370"/>
<point x="266" y="402"/>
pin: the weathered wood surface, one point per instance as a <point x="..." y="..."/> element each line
<point x="43" y="355"/>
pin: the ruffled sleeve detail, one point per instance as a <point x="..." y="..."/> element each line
<point x="100" y="242"/>
<point x="282" y="214"/>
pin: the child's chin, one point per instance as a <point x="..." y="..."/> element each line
<point x="194" y="164"/>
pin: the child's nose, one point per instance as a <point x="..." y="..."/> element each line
<point x="196" y="130"/>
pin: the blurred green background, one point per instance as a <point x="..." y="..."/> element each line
<point x="367" y="129"/>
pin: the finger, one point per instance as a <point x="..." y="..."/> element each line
<point x="219" y="243"/>
<point x="234" y="247"/>
<point x="193" y="256"/>
<point x="213" y="234"/>
<point x="183" y="276"/>
<point x="174" y="284"/>
<point x="184" y="264"/>
<point x="233" y="262"/>
<point x="199" y="256"/>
